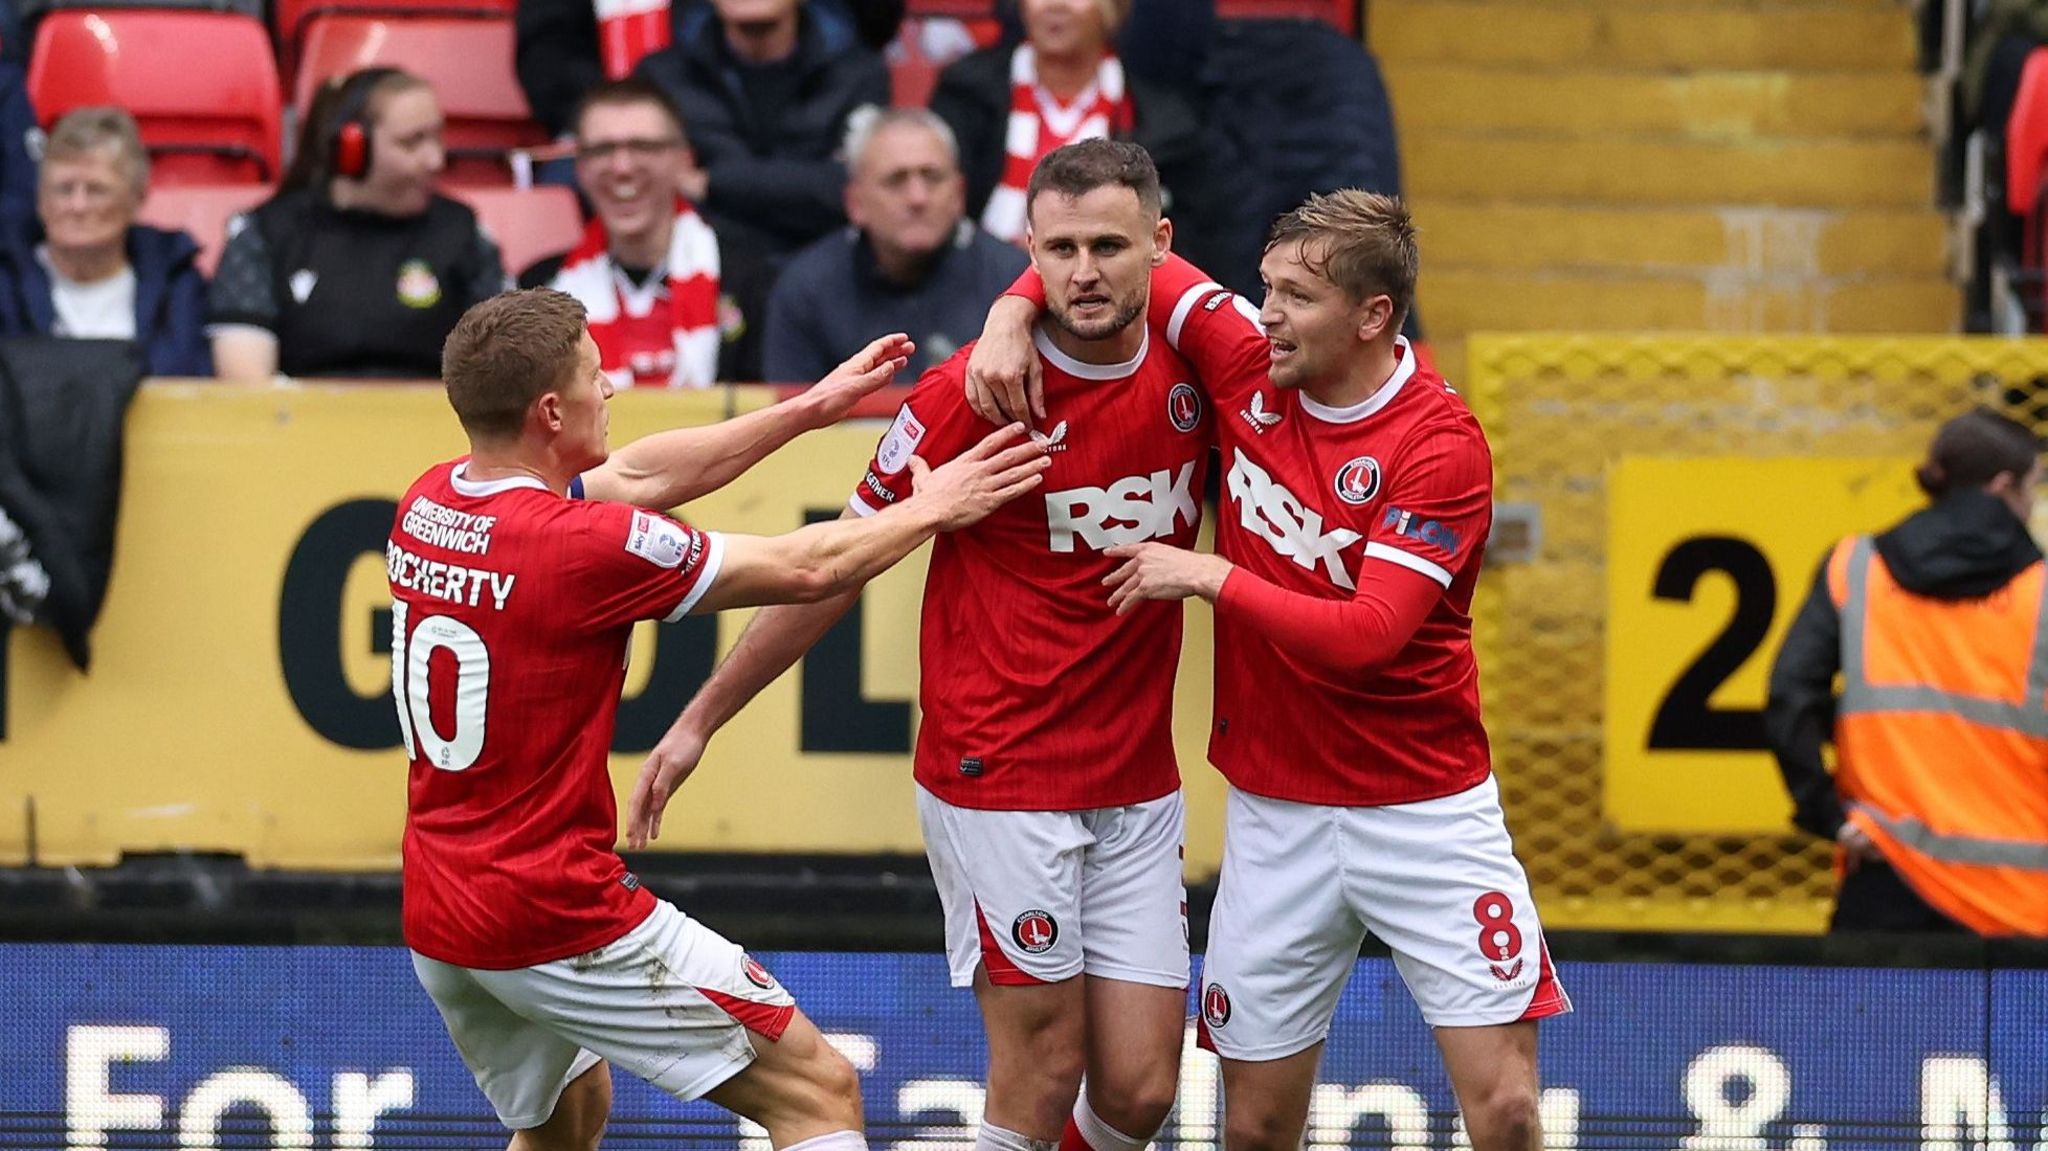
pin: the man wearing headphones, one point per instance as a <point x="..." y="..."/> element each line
<point x="357" y="268"/>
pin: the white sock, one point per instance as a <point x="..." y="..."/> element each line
<point x="836" y="1141"/>
<point x="994" y="1138"/>
<point x="1099" y="1134"/>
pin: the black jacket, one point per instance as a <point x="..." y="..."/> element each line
<point x="782" y="176"/>
<point x="63" y="408"/>
<point x="557" y="57"/>
<point x="170" y="297"/>
<point x="1965" y="546"/>
<point x="973" y="97"/>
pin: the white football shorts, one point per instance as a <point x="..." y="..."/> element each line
<point x="1042" y="896"/>
<point x="1301" y="884"/>
<point x="671" y="1001"/>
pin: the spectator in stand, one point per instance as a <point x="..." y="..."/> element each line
<point x="565" y="47"/>
<point x="357" y="267"/>
<point x="83" y="268"/>
<point x="17" y="165"/>
<point x="911" y="262"/>
<point x="668" y="296"/>
<point x="1009" y="106"/>
<point x="766" y="87"/>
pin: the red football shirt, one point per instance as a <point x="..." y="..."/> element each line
<point x="1312" y="497"/>
<point x="1036" y="696"/>
<point x="511" y="612"/>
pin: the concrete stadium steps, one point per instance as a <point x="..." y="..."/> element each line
<point x="1742" y="241"/>
<point x="1660" y="37"/>
<point x="1444" y="165"/>
<point x="1734" y="105"/>
<point x="1457" y="302"/>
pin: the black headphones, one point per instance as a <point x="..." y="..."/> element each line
<point x="348" y="136"/>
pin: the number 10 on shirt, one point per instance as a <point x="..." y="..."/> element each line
<point x="411" y="686"/>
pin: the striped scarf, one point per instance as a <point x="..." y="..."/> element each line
<point x="1039" y="123"/>
<point x="628" y="30"/>
<point x="637" y="343"/>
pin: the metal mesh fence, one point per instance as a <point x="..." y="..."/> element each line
<point x="1559" y="411"/>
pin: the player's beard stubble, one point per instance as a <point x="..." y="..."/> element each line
<point x="1126" y="314"/>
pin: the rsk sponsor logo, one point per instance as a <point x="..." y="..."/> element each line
<point x="1131" y="510"/>
<point x="1295" y="530"/>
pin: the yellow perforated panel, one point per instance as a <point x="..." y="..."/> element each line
<point x="1559" y="411"/>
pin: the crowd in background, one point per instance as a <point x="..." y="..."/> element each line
<point x="755" y="207"/>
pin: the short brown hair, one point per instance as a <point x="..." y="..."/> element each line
<point x="1074" y="170"/>
<point x="506" y="352"/>
<point x="1363" y="242"/>
<point x="1975" y="448"/>
<point x="83" y="131"/>
<point x="629" y="90"/>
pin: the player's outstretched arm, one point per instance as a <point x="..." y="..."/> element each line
<point x="1001" y="467"/>
<point x="675" y="467"/>
<point x="824" y="560"/>
<point x="774" y="639"/>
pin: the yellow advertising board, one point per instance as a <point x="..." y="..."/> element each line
<point x="1708" y="560"/>
<point x="239" y="698"/>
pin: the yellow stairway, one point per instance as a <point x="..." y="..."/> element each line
<point x="1718" y="165"/>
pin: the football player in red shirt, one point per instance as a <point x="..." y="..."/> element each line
<point x="1357" y="503"/>
<point x="513" y="602"/>
<point x="1047" y="789"/>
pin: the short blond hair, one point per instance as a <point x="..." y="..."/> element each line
<point x="1363" y="242"/>
<point x="82" y="132"/>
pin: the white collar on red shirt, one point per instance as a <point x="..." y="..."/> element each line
<point x="474" y="489"/>
<point x="1084" y="371"/>
<point x="1372" y="403"/>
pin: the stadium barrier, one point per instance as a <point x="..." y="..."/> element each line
<point x="1664" y="504"/>
<point x="239" y="700"/>
<point x="237" y="1047"/>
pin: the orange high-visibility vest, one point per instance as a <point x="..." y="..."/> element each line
<point x="1941" y="738"/>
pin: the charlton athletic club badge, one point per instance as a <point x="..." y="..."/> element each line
<point x="1035" y="932"/>
<point x="1215" y="1005"/>
<point x="757" y="974"/>
<point x="1359" y="480"/>
<point x="1184" y="407"/>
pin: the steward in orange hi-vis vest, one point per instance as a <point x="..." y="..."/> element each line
<point x="1937" y="627"/>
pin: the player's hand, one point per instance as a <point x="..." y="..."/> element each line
<point x="1156" y="571"/>
<point x="1857" y="846"/>
<point x="863" y="372"/>
<point x="1004" y="465"/>
<point x="1004" y="378"/>
<point x="667" y="766"/>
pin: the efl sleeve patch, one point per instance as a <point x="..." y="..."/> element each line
<point x="900" y="443"/>
<point x="660" y="540"/>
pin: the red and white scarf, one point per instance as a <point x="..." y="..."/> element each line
<point x="1039" y="122"/>
<point x="639" y="342"/>
<point x="628" y="30"/>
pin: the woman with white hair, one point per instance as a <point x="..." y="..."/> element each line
<point x="1011" y="104"/>
<point x="85" y="269"/>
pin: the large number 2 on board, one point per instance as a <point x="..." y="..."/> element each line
<point x="410" y="659"/>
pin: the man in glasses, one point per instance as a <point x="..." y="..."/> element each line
<point x="668" y="295"/>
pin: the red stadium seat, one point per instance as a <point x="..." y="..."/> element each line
<point x="528" y="223"/>
<point x="2026" y="156"/>
<point x="1341" y="13"/>
<point x="963" y="9"/>
<point x="202" y="85"/>
<point x="469" y="64"/>
<point x="924" y="46"/>
<point x="291" y="19"/>
<point x="202" y="210"/>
